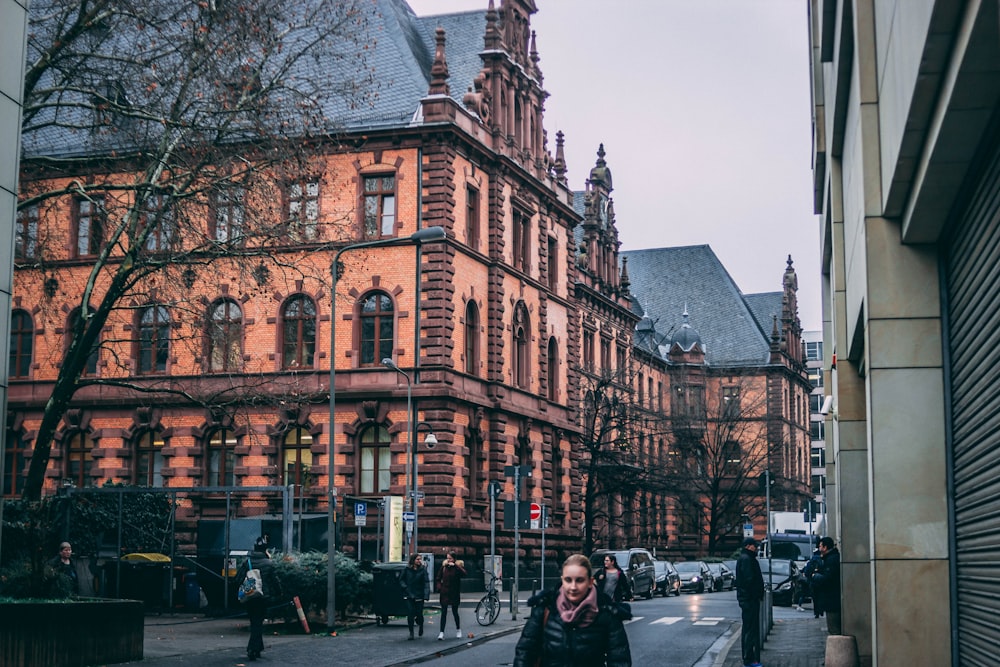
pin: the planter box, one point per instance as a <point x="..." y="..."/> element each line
<point x="70" y="634"/>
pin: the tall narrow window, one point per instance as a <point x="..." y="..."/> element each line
<point x="472" y="338"/>
<point x="474" y="442"/>
<point x="22" y="337"/>
<point x="228" y="214"/>
<point x="377" y="328"/>
<point x="26" y="233"/>
<point x="606" y="356"/>
<point x="298" y="322"/>
<point x="14" y="464"/>
<point x="553" y="264"/>
<point x="730" y="402"/>
<point x="296" y="457"/>
<point x="149" y="459"/>
<point x="642" y="389"/>
<point x="522" y="333"/>
<point x="159" y="222"/>
<point x="225" y="337"/>
<point x="89" y="218"/>
<point x="220" y="459"/>
<point x="154" y="340"/>
<point x="380" y="206"/>
<point x="375" y="459"/>
<point x="472" y="217"/>
<point x="553" y="369"/>
<point x="303" y="210"/>
<point x="79" y="458"/>
<point x="75" y="329"/>
<point x="588" y="350"/>
<point x="731" y="458"/>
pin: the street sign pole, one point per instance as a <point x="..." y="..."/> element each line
<point x="517" y="541"/>
<point x="545" y="521"/>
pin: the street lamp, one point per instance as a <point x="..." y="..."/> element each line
<point x="411" y="504"/>
<point x="428" y="234"/>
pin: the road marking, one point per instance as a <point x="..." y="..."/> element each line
<point x="667" y="620"/>
<point x="709" y="620"/>
<point x="633" y="619"/>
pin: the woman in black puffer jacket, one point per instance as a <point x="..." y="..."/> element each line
<point x="575" y="625"/>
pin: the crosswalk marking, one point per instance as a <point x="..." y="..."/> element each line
<point x="667" y="620"/>
<point x="634" y="619"/>
<point x="709" y="620"/>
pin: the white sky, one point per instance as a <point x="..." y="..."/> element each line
<point x="704" y="110"/>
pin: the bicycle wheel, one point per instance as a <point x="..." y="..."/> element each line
<point x="488" y="610"/>
<point x="494" y="609"/>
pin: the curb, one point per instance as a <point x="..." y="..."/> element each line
<point x="475" y="641"/>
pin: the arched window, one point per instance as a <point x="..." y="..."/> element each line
<point x="154" y="339"/>
<point x="553" y="369"/>
<point x="91" y="366"/>
<point x="22" y="334"/>
<point x="225" y="336"/>
<point x="375" y="460"/>
<point x="14" y="464"/>
<point x="298" y="332"/>
<point x="79" y="457"/>
<point x="521" y="336"/>
<point x="296" y="457"/>
<point x="148" y="459"/>
<point x="378" y="333"/>
<point x="220" y="459"/>
<point x="472" y="338"/>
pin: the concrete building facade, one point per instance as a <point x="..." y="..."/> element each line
<point x="906" y="179"/>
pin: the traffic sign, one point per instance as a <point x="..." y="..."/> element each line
<point x="748" y="530"/>
<point x="409" y="517"/>
<point x="536" y="511"/>
<point x="360" y="509"/>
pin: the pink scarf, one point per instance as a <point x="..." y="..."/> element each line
<point x="580" y="615"/>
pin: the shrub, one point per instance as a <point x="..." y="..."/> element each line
<point x="304" y="575"/>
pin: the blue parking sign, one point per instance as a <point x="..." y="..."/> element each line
<point x="360" y="509"/>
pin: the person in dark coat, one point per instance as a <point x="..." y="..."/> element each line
<point x="575" y="625"/>
<point x="416" y="589"/>
<point x="612" y="581"/>
<point x="63" y="566"/>
<point x="815" y="562"/>
<point x="449" y="585"/>
<point x="257" y="607"/>
<point x="826" y="584"/>
<point x="750" y="593"/>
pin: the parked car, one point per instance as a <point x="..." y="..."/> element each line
<point x="637" y="564"/>
<point x="788" y="546"/>
<point x="725" y="579"/>
<point x="779" y="577"/>
<point x="695" y="576"/>
<point x="668" y="582"/>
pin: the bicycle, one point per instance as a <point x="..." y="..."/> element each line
<point x="488" y="608"/>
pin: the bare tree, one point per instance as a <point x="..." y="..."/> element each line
<point x="165" y="130"/>
<point x="615" y="424"/>
<point x="720" y="448"/>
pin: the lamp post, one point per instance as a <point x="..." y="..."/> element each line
<point x="420" y="236"/>
<point x="430" y="441"/>
<point x="411" y="503"/>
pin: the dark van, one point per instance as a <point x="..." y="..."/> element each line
<point x="791" y="546"/>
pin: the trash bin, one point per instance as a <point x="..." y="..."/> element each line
<point x="146" y="577"/>
<point x="192" y="591"/>
<point x="387" y="592"/>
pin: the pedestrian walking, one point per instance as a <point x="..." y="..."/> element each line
<point x="749" y="594"/>
<point x="575" y="625"/>
<point x="612" y="581"/>
<point x="449" y="585"/>
<point x="257" y="606"/>
<point x="416" y="589"/>
<point x="826" y="584"/>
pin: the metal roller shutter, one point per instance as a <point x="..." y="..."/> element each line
<point x="972" y="272"/>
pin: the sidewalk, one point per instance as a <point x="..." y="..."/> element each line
<point x="188" y="639"/>
<point x="793" y="642"/>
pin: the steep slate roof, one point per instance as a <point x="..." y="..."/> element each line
<point x="765" y="307"/>
<point x="665" y="280"/>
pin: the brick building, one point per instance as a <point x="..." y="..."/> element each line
<point x="218" y="374"/>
